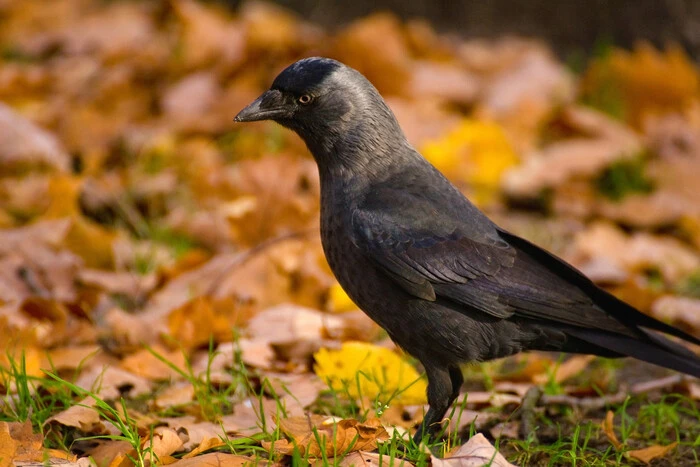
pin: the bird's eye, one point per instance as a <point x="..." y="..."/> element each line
<point x="305" y="99"/>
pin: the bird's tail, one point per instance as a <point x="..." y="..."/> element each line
<point x="654" y="349"/>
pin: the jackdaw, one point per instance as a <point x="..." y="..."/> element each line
<point x="447" y="284"/>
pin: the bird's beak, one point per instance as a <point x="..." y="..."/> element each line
<point x="269" y="106"/>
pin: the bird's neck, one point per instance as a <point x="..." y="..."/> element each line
<point x="366" y="148"/>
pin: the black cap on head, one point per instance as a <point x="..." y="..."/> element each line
<point x="305" y="75"/>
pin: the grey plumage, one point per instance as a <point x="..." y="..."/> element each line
<point x="446" y="283"/>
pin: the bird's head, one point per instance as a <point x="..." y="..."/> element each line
<point x="331" y="106"/>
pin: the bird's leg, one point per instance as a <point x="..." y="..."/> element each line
<point x="441" y="393"/>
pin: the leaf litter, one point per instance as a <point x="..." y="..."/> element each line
<point x="156" y="256"/>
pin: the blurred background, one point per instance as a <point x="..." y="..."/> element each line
<point x="134" y="211"/>
<point x="569" y="26"/>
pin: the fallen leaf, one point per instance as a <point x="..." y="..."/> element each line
<point x="144" y="363"/>
<point x="219" y="459"/>
<point x="679" y="310"/>
<point x="367" y="370"/>
<point x="25" y="146"/>
<point x="506" y="430"/>
<point x="28" y="446"/>
<point x="573" y="366"/>
<point x="646" y="80"/>
<point x="369" y="459"/>
<point x="176" y="394"/>
<point x="111" y="383"/>
<point x="8" y="445"/>
<point x="205" y="445"/>
<point x="208" y="36"/>
<point x="163" y="442"/>
<point x="201" y="319"/>
<point x="477" y="452"/>
<point x="318" y="436"/>
<point x="387" y="67"/>
<point x="609" y="429"/>
<point x="647" y="455"/>
<point x="82" y="416"/>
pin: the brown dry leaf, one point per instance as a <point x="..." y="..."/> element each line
<point x="638" y="252"/>
<point x="8" y="445"/>
<point x="218" y="459"/>
<point x="71" y="357"/>
<point x="110" y="383"/>
<point x="188" y="285"/>
<point x="464" y="420"/>
<point x="387" y="67"/>
<point x="48" y="271"/>
<point x="26" y="146"/>
<point x="123" y="283"/>
<point x="680" y="310"/>
<point x="247" y="416"/>
<point x="476" y="452"/>
<point x="506" y="430"/>
<point x="609" y="429"/>
<point x="195" y="432"/>
<point x="279" y="194"/>
<point x="423" y="119"/>
<point x="603" y="140"/>
<point x="209" y="36"/>
<point x="493" y="399"/>
<point x="163" y="442"/>
<point x="197" y="321"/>
<point x="28" y="446"/>
<point x="82" y="416"/>
<point x="179" y="393"/>
<point x="188" y="103"/>
<point x="443" y="81"/>
<point x="144" y="363"/>
<point x="296" y="391"/>
<point x="270" y="27"/>
<point x="285" y="323"/>
<point x="573" y="366"/>
<point x="344" y="436"/>
<point x="205" y="445"/>
<point x="647" y="455"/>
<point x="536" y="82"/>
<point x="368" y="459"/>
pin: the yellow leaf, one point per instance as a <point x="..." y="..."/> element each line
<point x="476" y="153"/>
<point x="92" y="242"/>
<point x="339" y="300"/>
<point x="369" y="371"/>
<point x="63" y="193"/>
<point x="642" y="82"/>
<point x="647" y="455"/>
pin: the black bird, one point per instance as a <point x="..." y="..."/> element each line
<point x="446" y="283"/>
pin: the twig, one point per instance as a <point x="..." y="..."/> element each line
<point x="526" y="411"/>
<point x="251" y="252"/>
<point x="594" y="403"/>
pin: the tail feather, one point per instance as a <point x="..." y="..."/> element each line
<point x="657" y="350"/>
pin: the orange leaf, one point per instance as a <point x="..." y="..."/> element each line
<point x="646" y="455"/>
<point x="316" y="435"/>
<point x="609" y="431"/>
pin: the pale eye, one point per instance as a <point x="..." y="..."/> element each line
<point x="305" y="99"/>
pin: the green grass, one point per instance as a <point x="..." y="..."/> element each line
<point x="624" y="177"/>
<point x="567" y="437"/>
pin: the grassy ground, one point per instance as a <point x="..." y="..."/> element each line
<point x="564" y="435"/>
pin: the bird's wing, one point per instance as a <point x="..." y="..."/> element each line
<point x="431" y="255"/>
<point x="421" y="249"/>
